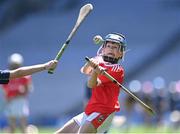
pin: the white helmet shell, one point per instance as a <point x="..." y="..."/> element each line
<point x="16" y="58"/>
<point x="116" y="37"/>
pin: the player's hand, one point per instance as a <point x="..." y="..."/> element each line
<point x="94" y="64"/>
<point x="99" y="70"/>
<point x="51" y="64"/>
<point x="87" y="68"/>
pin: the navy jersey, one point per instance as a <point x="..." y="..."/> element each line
<point x="4" y="77"/>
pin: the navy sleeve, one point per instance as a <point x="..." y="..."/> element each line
<point x="4" y="77"/>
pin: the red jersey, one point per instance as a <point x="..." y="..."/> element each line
<point x="104" y="97"/>
<point x="17" y="87"/>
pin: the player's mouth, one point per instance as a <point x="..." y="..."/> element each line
<point x="110" y="54"/>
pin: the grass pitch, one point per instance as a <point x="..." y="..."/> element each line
<point x="113" y="130"/>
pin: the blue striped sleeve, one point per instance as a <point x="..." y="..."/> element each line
<point x="4" y="77"/>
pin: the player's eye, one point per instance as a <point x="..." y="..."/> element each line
<point x="108" y="46"/>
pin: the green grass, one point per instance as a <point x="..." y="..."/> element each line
<point x="138" y="130"/>
<point x="144" y="129"/>
<point x="133" y="130"/>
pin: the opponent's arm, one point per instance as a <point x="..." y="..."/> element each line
<point x="28" y="70"/>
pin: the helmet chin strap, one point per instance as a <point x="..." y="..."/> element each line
<point x="110" y="59"/>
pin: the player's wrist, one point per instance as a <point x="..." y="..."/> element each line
<point x="94" y="72"/>
<point x="45" y="66"/>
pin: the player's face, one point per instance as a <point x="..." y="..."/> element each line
<point x="112" y="49"/>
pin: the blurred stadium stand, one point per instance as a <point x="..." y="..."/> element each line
<point x="38" y="28"/>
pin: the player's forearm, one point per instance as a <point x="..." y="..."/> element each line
<point x="23" y="71"/>
<point x="93" y="81"/>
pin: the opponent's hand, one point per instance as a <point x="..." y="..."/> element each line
<point x="51" y="64"/>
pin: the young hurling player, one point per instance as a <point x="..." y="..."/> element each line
<point x="103" y="103"/>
